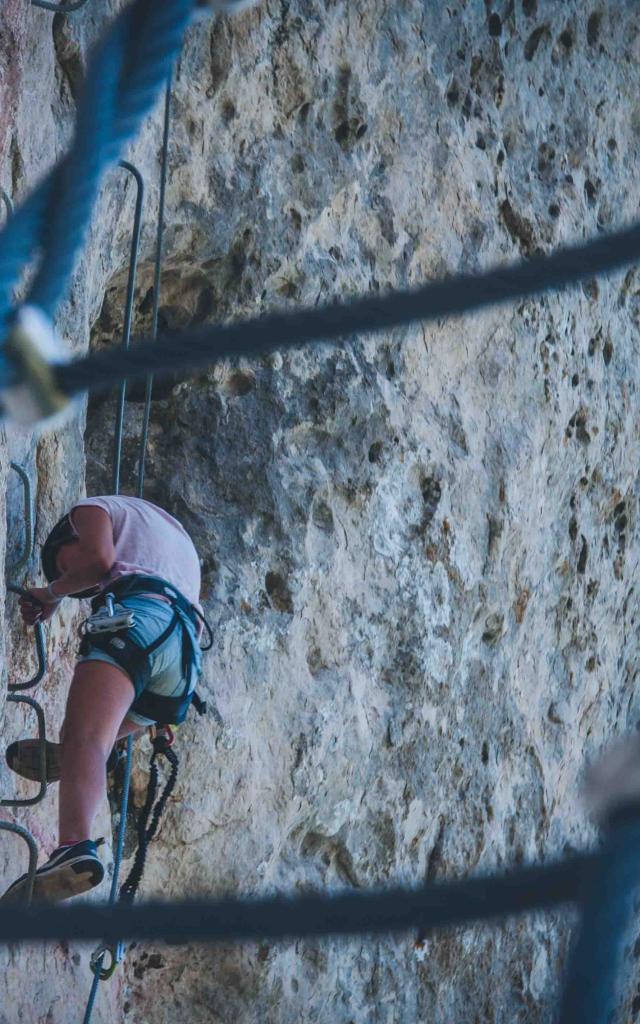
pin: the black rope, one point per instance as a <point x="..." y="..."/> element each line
<point x="351" y="913"/>
<point x="146" y="831"/>
<point x="461" y="294"/>
<point x="609" y="906"/>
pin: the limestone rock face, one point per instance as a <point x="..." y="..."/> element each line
<point x="418" y="549"/>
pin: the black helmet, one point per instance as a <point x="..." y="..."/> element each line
<point x="62" y="533"/>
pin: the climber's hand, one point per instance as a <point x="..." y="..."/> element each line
<point x="37" y="606"/>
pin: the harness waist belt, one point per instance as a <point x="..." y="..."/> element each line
<point x="135" y="585"/>
<point x="134" y="658"/>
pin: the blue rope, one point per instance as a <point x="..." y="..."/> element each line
<point x="128" y="69"/>
<point x="116" y="874"/>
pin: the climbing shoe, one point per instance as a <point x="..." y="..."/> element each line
<point x="23" y="757"/>
<point x="70" y="870"/>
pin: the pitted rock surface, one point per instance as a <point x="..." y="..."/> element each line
<point x="419" y="548"/>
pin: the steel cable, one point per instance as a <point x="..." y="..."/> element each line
<point x="353" y="913"/>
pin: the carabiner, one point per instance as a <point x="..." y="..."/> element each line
<point x="116" y="952"/>
<point x="162" y="732"/>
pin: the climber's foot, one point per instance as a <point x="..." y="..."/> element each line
<point x="70" y="870"/>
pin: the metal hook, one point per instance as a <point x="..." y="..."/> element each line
<point x="61" y="8"/>
<point x="9" y="826"/>
<point x="15" y="698"/>
<point x="40" y="648"/>
<point x="8" y="202"/>
<point x="18" y="566"/>
<point x="128" y="310"/>
<point x="157" y="274"/>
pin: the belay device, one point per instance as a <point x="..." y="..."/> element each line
<point x="111" y="618"/>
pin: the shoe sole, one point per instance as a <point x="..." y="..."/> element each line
<point x="71" y="879"/>
<point x="23" y="758"/>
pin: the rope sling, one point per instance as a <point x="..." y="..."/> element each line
<point x="145" y="830"/>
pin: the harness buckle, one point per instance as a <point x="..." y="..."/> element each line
<point x="112" y="618"/>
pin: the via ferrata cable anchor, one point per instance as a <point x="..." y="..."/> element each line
<point x="34" y="351"/>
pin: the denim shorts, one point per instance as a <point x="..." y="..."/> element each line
<point x="152" y="618"/>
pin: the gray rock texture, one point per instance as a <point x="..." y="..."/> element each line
<point x="418" y="549"/>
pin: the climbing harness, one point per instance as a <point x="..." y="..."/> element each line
<point x="108" y="630"/>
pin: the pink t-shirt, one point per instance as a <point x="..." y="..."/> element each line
<point x="149" y="541"/>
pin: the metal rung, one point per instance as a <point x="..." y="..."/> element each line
<point x="20" y="564"/>
<point x="61" y="8"/>
<point x="8" y="202"/>
<point x="9" y="826"/>
<point x="128" y="314"/>
<point x="16" y="698"/>
<point x="40" y="649"/>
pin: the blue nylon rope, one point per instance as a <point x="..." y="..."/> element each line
<point x="117" y="861"/>
<point x="128" y="69"/>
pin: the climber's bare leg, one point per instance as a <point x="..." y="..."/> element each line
<point x="99" y="698"/>
<point x="129" y="728"/>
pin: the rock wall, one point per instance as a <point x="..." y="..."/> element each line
<point x="418" y="549"/>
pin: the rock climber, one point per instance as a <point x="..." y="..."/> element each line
<point x="140" y="675"/>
